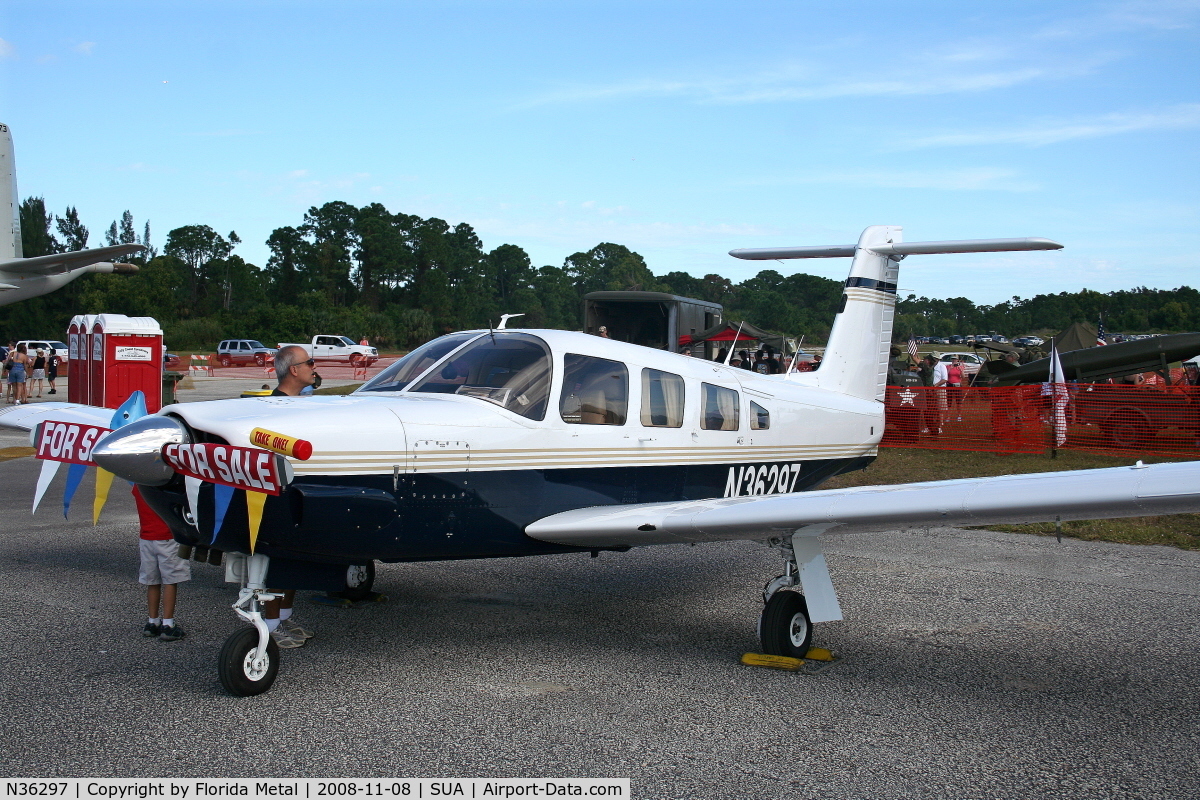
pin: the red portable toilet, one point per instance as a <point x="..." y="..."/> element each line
<point x="79" y="351"/>
<point x="126" y="355"/>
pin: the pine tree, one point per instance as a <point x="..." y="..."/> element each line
<point x="36" y="236"/>
<point x="75" y="235"/>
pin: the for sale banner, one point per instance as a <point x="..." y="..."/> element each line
<point x="70" y="442"/>
<point x="246" y="468"/>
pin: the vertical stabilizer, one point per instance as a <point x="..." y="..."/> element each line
<point x="855" y="361"/>
<point x="10" y="240"/>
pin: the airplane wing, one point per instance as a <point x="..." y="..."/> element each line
<point x="26" y="417"/>
<point x="56" y="263"/>
<point x="1141" y="490"/>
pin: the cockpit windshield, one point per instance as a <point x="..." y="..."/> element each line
<point x="509" y="369"/>
<point x="402" y="373"/>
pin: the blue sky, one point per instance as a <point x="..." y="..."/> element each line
<point x="681" y="130"/>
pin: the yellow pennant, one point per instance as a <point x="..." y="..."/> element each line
<point x="103" y="483"/>
<point x="254" y="512"/>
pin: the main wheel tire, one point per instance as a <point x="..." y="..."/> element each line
<point x="784" y="628"/>
<point x="225" y="361"/>
<point x="236" y="669"/>
<point x="359" y="580"/>
<point x="260" y="359"/>
<point x="1127" y="429"/>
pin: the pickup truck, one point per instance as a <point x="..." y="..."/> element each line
<point x="338" y="348"/>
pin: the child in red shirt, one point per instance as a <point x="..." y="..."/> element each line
<point x="162" y="570"/>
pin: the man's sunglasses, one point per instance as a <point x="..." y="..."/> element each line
<point x="312" y="362"/>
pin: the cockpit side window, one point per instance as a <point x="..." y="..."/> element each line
<point x="402" y="373"/>
<point x="760" y="418"/>
<point x="721" y="408"/>
<point x="595" y="391"/>
<point x="511" y="370"/>
<point x="662" y="399"/>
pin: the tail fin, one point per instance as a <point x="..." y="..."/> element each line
<point x="10" y="241"/>
<point x="855" y="361"/>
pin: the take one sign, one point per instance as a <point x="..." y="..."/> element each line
<point x="246" y="468"/>
<point x="71" y="442"/>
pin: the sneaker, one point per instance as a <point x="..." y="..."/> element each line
<point x="292" y="627"/>
<point x="286" y="639"/>
<point x="152" y="630"/>
<point x="52" y="391"/>
<point x="172" y="634"/>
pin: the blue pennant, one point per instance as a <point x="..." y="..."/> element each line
<point x="222" y="494"/>
<point x="74" y="477"/>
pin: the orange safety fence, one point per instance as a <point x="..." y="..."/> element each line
<point x="1132" y="420"/>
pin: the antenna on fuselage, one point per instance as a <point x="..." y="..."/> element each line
<point x="736" y="336"/>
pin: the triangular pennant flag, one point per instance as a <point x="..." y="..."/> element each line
<point x="254" y="512"/>
<point x="104" y="480"/>
<point x="49" y="470"/>
<point x="222" y="495"/>
<point x="74" y="477"/>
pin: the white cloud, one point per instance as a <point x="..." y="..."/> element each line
<point x="7" y="50"/>
<point x="968" y="179"/>
<point x="85" y="48"/>
<point x="1126" y="17"/>
<point x="1182" y="116"/>
<point x="794" y="83"/>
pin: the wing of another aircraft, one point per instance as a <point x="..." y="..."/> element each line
<point x="26" y="417"/>
<point x="56" y="263"/>
<point x="1141" y="490"/>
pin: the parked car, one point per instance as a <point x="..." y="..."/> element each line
<point x="970" y="361"/>
<point x="244" y="351"/>
<point x="46" y="345"/>
<point x="338" y="348"/>
<point x="1029" y="341"/>
<point x="171" y="361"/>
<point x="956" y="339"/>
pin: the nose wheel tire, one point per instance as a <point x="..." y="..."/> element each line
<point x="241" y="674"/>
<point x="784" y="627"/>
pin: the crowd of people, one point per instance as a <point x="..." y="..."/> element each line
<point x="23" y="371"/>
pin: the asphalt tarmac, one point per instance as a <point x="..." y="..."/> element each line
<point x="972" y="665"/>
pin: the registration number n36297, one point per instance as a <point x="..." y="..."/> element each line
<point x="758" y="479"/>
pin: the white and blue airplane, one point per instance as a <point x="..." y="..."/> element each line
<point x="22" y="278"/>
<point x="503" y="443"/>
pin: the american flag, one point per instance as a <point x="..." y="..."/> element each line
<point x="1100" y="333"/>
<point x="912" y="347"/>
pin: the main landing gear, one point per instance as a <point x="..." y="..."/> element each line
<point x="785" y="627"/>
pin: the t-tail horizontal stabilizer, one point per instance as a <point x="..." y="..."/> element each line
<point x="899" y="249"/>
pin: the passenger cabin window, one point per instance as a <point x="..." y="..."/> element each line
<point x="662" y="399"/>
<point x="404" y="371"/>
<point x="511" y="370"/>
<point x="595" y="391"/>
<point x="720" y="412"/>
<point x="760" y="418"/>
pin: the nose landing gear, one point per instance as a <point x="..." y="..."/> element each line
<point x="249" y="659"/>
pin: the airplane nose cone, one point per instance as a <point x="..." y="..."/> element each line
<point x="134" y="452"/>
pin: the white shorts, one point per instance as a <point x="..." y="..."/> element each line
<point x="161" y="562"/>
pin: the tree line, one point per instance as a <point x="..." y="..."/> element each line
<point x="400" y="279"/>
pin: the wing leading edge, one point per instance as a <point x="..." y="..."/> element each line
<point x="1141" y="490"/>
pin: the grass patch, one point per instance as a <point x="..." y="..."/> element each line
<point x="896" y="465"/>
